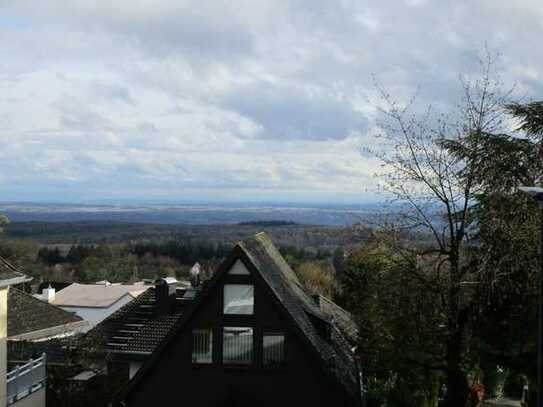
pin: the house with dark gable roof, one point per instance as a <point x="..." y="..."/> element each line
<point x="30" y="319"/>
<point x="252" y="336"/>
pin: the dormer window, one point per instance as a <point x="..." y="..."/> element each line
<point x="238" y="299"/>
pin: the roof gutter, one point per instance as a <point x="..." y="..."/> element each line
<point x="51" y="332"/>
<point x="15" y="281"/>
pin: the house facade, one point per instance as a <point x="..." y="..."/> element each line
<point x="251" y="337"/>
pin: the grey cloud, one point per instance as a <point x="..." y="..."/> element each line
<point x="188" y="33"/>
<point x="205" y="30"/>
<point x="288" y="113"/>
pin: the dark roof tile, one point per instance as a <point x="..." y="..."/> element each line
<point x="28" y="316"/>
<point x="9" y="274"/>
<point x="341" y="317"/>
<point x="136" y="327"/>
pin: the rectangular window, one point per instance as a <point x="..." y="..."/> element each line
<point x="238" y="299"/>
<point x="202" y="346"/>
<point x="273" y="349"/>
<point x="237" y="346"/>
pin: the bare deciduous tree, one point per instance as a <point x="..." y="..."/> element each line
<point x="435" y="190"/>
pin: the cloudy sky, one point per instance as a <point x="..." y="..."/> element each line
<point x="237" y="100"/>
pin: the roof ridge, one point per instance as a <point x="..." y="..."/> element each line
<point x="10" y="266"/>
<point x="331" y="302"/>
<point x="10" y="275"/>
<point x="304" y="297"/>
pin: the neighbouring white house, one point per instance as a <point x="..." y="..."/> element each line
<point x="24" y="385"/>
<point x="93" y="302"/>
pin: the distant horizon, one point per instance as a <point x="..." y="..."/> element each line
<point x="192" y="213"/>
<point x="196" y="202"/>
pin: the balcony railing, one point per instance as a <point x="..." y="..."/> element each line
<point x="26" y="379"/>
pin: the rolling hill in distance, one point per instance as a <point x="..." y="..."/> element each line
<point x="193" y="214"/>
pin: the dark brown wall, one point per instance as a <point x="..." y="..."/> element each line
<point x="174" y="380"/>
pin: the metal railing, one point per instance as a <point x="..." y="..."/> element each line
<point x="26" y="379"/>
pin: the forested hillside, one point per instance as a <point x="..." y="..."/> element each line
<point x="91" y="251"/>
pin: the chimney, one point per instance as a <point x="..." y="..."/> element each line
<point x="195" y="275"/>
<point x="48" y="294"/>
<point x="163" y="296"/>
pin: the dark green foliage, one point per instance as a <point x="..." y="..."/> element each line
<point x="75" y="256"/>
<point x="185" y="252"/>
<point x="508" y="243"/>
<point x="123" y="252"/>
<point x="399" y="328"/>
<point x="79" y="253"/>
<point x="530" y="116"/>
<point x="64" y="392"/>
<point x="296" y="255"/>
<point x="498" y="162"/>
<point x="51" y="256"/>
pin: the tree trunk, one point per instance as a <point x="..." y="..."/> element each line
<point x="457" y="382"/>
<point x="457" y="389"/>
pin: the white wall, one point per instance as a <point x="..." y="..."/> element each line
<point x="95" y="315"/>
<point x="3" y="343"/>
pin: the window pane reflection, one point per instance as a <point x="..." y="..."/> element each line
<point x="238" y="299"/>
<point x="274" y="349"/>
<point x="202" y="346"/>
<point x="238" y="345"/>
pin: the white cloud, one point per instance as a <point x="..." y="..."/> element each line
<point x="192" y="99"/>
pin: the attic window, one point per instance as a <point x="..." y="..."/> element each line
<point x="202" y="346"/>
<point x="238" y="299"/>
<point x="238" y="269"/>
<point x="237" y="345"/>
